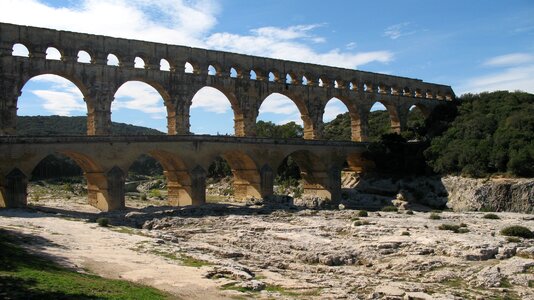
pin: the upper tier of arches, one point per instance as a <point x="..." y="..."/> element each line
<point x="94" y="49"/>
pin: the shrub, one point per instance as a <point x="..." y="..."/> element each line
<point x="390" y="209"/>
<point x="405" y="233"/>
<point x="363" y="213"/>
<point x="491" y="216"/>
<point x="513" y="239"/>
<point x="409" y="212"/>
<point x="434" y="216"/>
<point x="518" y="231"/>
<point x="102" y="222"/>
<point x="360" y="223"/>
<point x="143" y="196"/>
<point x="454" y="228"/>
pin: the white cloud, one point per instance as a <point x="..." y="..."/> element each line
<point x="511" y="79"/>
<point x="141" y="97"/>
<point x="512" y="59"/>
<point x="182" y="22"/>
<point x="333" y="108"/>
<point x="513" y="72"/>
<point x="279" y="104"/>
<point x="286" y="45"/>
<point x="398" y="30"/>
<point x="211" y="100"/>
<point x="62" y="98"/>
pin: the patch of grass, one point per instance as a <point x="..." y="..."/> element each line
<point x="505" y="283"/>
<point x="513" y="239"/>
<point x="102" y="222"/>
<point x="363" y="213"/>
<point x="405" y="233"/>
<point x="518" y="231"/>
<point x="189" y="261"/>
<point x="409" y="212"/>
<point x="531" y="283"/>
<point x="454" y="282"/>
<point x="453" y="227"/>
<point x="434" y="216"/>
<point x="360" y="223"/>
<point x="491" y="217"/>
<point x="28" y="276"/>
<point x="390" y="208"/>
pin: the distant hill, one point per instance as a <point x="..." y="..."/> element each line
<point x="58" y="125"/>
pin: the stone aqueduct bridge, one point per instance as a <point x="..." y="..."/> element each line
<point x="105" y="159"/>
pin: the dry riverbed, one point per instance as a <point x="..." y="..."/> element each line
<point x="234" y="251"/>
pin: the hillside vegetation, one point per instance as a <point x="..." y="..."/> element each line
<point x="58" y="125"/>
<point x="493" y="133"/>
<point x="477" y="136"/>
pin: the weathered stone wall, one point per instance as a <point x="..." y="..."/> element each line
<point x="310" y="86"/>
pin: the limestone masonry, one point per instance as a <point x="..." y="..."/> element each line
<point x="245" y="80"/>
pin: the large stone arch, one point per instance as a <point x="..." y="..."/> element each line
<point x="180" y="189"/>
<point x="163" y="91"/>
<point x="239" y="118"/>
<point x="310" y="127"/>
<point x="247" y="179"/>
<point x="358" y="133"/>
<point x="319" y="178"/>
<point x="396" y="122"/>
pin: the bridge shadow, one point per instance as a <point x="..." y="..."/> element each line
<point x="24" y="266"/>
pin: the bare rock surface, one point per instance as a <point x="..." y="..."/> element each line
<point x="279" y="251"/>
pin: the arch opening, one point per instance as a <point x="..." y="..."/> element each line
<point x="68" y="178"/>
<point x="20" y="50"/>
<point x="415" y="124"/>
<point x="112" y="60"/>
<point x="273" y="77"/>
<point x="141" y="104"/>
<point x="84" y="57"/>
<point x="188" y="68"/>
<point x="145" y="183"/>
<point x="253" y="75"/>
<point x="164" y="65"/>
<point x="280" y="117"/>
<point x="233" y="73"/>
<point x="53" y="54"/>
<point x="54" y="102"/>
<point x="339" y="124"/>
<point x="287" y="181"/>
<point x="139" y="63"/>
<point x="212" y="71"/>
<point x="212" y="112"/>
<point x="381" y="120"/>
<point x="289" y="79"/>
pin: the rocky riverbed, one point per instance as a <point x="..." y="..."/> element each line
<point x="277" y="250"/>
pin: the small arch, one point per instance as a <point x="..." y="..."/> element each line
<point x="338" y="84"/>
<point x="53" y="54"/>
<point x="253" y="75"/>
<point x="113" y="60"/>
<point x="273" y="77"/>
<point x="212" y="71"/>
<point x="352" y="86"/>
<point x="320" y="82"/>
<point x="84" y="57"/>
<point x="233" y="72"/>
<point x="20" y="50"/>
<point x="164" y="65"/>
<point x="139" y="63"/>
<point x="188" y="68"/>
<point x="429" y="94"/>
<point x="323" y="81"/>
<point x="289" y="79"/>
<point x="304" y="80"/>
<point x="395" y="91"/>
<point x="406" y="92"/>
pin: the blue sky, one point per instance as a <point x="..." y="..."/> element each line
<point x="471" y="45"/>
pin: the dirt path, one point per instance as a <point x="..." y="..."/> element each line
<point x="86" y="246"/>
